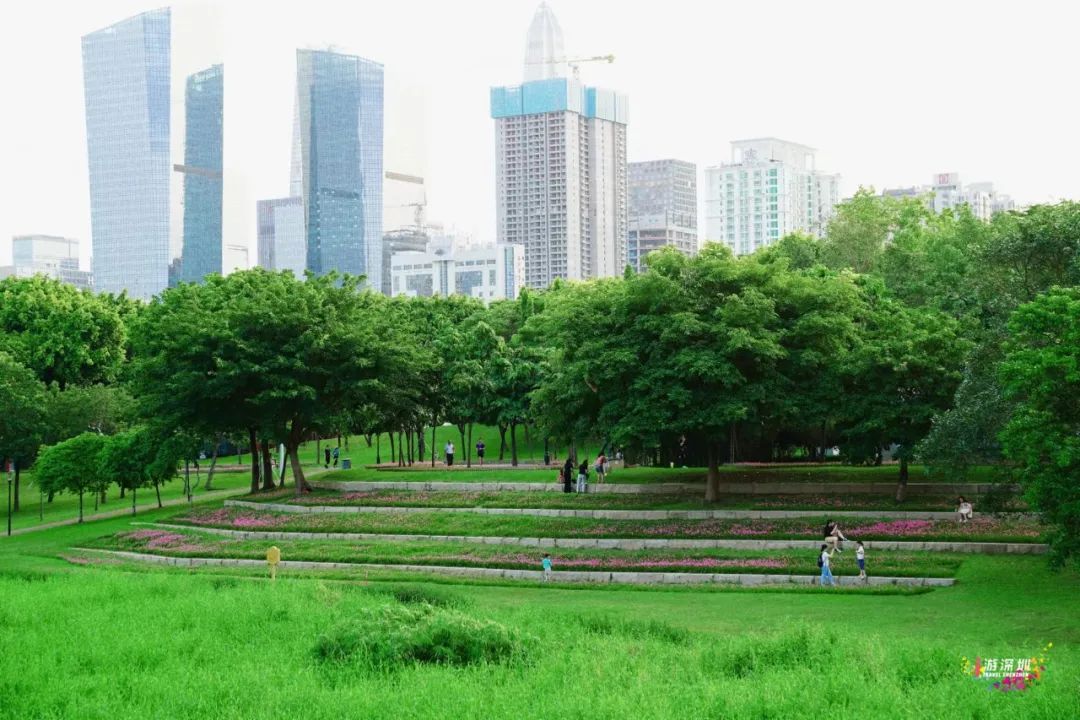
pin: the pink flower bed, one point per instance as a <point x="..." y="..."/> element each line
<point x="237" y="519"/>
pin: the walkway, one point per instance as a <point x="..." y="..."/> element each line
<point x="731" y="488"/>
<point x="606" y="514"/>
<point x="559" y="576"/>
<point x="988" y="548"/>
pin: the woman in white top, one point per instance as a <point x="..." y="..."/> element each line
<point x="964" y="510"/>
<point x="826" y="573"/>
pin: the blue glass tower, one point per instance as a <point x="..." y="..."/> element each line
<point x="126" y="71"/>
<point x="340" y="113"/>
<point x="204" y="113"/>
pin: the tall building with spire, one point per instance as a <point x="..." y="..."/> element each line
<point x="560" y="165"/>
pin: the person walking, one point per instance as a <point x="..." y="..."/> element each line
<point x="823" y="563"/>
<point x="336" y="454"/>
<point x="326" y="458"/>
<point x="480" y="451"/>
<point x="583" y="476"/>
<point x="860" y="559"/>
<point x="568" y="476"/>
<point x="601" y="468"/>
<point x="546" y="564"/>
<point x="449" y="450"/>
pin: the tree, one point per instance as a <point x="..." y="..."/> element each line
<point x="72" y="466"/>
<point x="65" y="336"/>
<point x="125" y="459"/>
<point x="904" y="370"/>
<point x="22" y="417"/>
<point x="858" y="231"/>
<point x="1041" y="375"/>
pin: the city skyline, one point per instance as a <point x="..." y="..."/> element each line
<point x="851" y="105"/>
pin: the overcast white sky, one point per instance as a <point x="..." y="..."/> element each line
<point x="889" y="92"/>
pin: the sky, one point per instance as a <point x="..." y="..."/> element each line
<point x="889" y="93"/>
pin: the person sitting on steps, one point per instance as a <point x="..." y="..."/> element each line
<point x="964" y="510"/>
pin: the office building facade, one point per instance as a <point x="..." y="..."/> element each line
<point x="485" y="272"/>
<point x="202" y="172"/>
<point x="339" y="158"/>
<point x="770" y="188"/>
<point x="49" y="255"/>
<point x="282" y="243"/>
<point x="662" y="208"/>
<point x="126" y="74"/>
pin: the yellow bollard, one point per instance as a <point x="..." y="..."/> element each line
<point x="273" y="557"/>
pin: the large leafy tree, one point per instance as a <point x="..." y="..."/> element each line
<point x="1041" y="375"/>
<point x="65" y="336"/>
<point x="22" y="416"/>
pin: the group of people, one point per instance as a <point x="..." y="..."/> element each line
<point x="567" y="477"/>
<point x="331" y="454"/>
<point x="448" y="452"/>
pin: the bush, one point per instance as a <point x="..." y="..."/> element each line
<point x="635" y="629"/>
<point x="392" y="637"/>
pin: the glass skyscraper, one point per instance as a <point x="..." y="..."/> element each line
<point x="126" y="71"/>
<point x="340" y="122"/>
<point x="204" y="115"/>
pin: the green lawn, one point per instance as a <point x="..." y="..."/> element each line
<point x="981" y="529"/>
<point x="92" y="642"/>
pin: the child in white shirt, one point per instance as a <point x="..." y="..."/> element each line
<point x="860" y="558"/>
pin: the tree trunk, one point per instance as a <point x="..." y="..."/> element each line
<point x="132" y="499"/>
<point x="513" y="444"/>
<point x="712" y="482"/>
<point x="824" y="440"/>
<point x="468" y="449"/>
<point x="367" y="437"/>
<point x="297" y="470"/>
<point x="318" y="450"/>
<point x="420" y="443"/>
<point x="80" y="505"/>
<point x="187" y="480"/>
<point x="157" y="491"/>
<point x="434" y="422"/>
<point x="15" y="505"/>
<point x="400" y="449"/>
<point x="901" y="487"/>
<point x="528" y="443"/>
<point x="253" y="442"/>
<point x="210" y="472"/>
<point x="123" y="493"/>
<point x="378" y="449"/>
<point x="465" y="447"/>
<point x="731" y="445"/>
<point x="502" y="441"/>
<point x="393" y="453"/>
<point x="268" y="467"/>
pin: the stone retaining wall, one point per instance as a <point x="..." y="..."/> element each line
<point x="562" y="576"/>
<point x="606" y="514"/>
<point x="748" y="488"/>
<point x="989" y="548"/>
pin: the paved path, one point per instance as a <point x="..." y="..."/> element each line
<point x="731" y="488"/>
<point x="562" y="576"/>
<point x="989" y="548"/>
<point x="606" y="514"/>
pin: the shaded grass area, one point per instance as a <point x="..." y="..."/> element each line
<point x="36" y="510"/>
<point x="984" y="529"/>
<point x="202" y="646"/>
<point x="596" y="501"/>
<point x="194" y="544"/>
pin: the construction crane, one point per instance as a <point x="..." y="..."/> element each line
<point x="576" y="62"/>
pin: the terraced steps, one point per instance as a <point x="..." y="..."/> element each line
<point x="993" y="548"/>
<point x="606" y="514"/>
<point x="559" y="576"/>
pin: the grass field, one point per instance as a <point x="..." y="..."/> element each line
<point x="109" y="639"/>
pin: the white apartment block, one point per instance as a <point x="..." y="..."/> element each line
<point x="49" y="255"/>
<point x="769" y="189"/>
<point x="486" y="272"/>
<point x="663" y="208"/>
<point x="560" y="168"/>
<point x="947" y="193"/>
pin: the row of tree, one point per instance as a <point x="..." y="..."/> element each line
<point x="938" y="337"/>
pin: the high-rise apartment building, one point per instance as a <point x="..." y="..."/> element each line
<point x="126" y="74"/>
<point x="339" y="153"/>
<point x="947" y="192"/>
<point x="769" y="189"/>
<point x="55" y="257"/>
<point x="204" y="113"/>
<point x="560" y="166"/>
<point x="663" y="208"/>
<point x="282" y="237"/>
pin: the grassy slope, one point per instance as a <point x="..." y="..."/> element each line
<point x="107" y="644"/>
